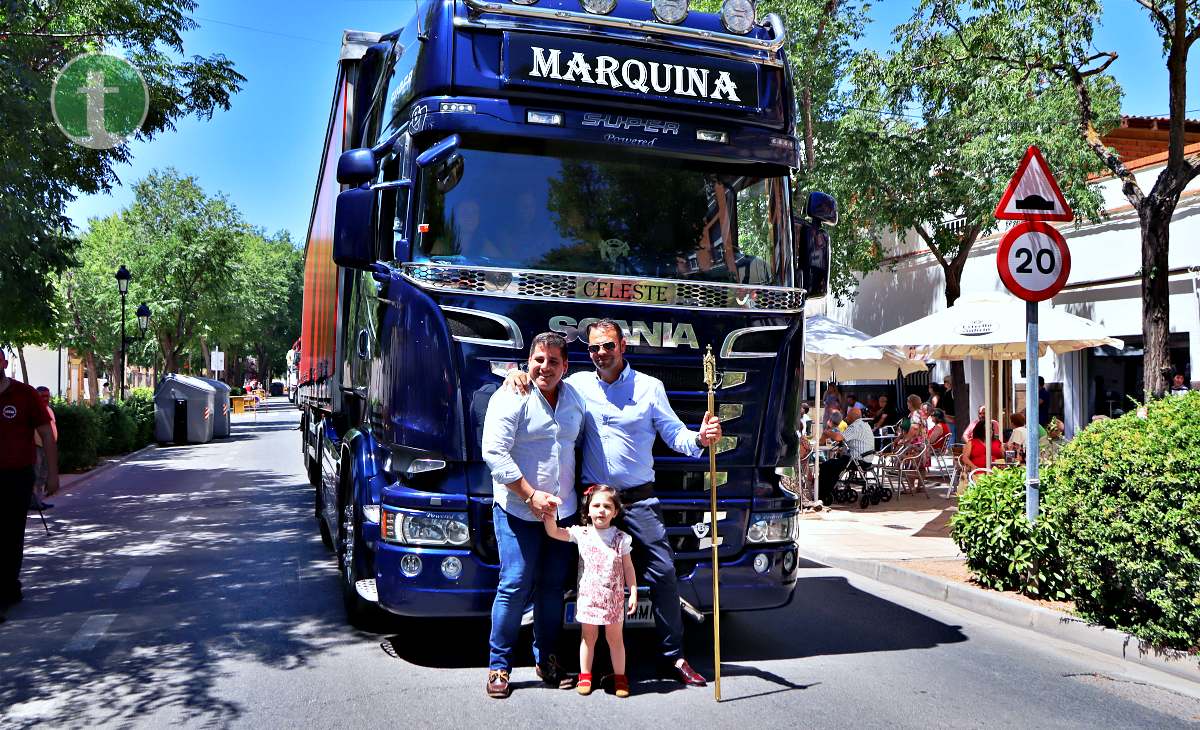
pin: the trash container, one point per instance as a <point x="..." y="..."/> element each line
<point x="184" y="409"/>
<point x="220" y="409"/>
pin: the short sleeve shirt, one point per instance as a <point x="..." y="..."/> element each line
<point x="21" y="412"/>
<point x="580" y="534"/>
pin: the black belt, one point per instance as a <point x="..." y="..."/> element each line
<point x="636" y="494"/>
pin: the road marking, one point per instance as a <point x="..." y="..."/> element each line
<point x="91" y="632"/>
<point x="133" y="578"/>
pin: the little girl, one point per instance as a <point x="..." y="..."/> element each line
<point x="605" y="568"/>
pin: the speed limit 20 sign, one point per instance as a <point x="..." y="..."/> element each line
<point x="1034" y="261"/>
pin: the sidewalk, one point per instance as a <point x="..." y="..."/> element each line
<point x="911" y="528"/>
<point x="907" y="544"/>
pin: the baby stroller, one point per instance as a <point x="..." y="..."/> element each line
<point x="863" y="473"/>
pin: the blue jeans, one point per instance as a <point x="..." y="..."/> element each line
<point x="654" y="561"/>
<point x="531" y="564"/>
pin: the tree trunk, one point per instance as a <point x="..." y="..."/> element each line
<point x="958" y="371"/>
<point x="1156" y="296"/>
<point x="89" y="361"/>
<point x="21" y="359"/>
<point x="167" y="346"/>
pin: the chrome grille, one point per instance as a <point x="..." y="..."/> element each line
<point x="555" y="285"/>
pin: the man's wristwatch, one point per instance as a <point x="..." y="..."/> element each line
<point x="699" y="442"/>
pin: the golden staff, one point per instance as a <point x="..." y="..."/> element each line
<point x="710" y="379"/>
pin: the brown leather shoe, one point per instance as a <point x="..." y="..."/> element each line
<point x="689" y="676"/>
<point x="497" y="684"/>
<point x="552" y="674"/>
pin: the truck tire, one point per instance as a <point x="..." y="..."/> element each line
<point x="361" y="614"/>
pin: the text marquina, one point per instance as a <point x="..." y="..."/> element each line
<point x="634" y="74"/>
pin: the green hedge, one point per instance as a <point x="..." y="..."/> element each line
<point x="1130" y="512"/>
<point x="86" y="432"/>
<point x="79" y="431"/>
<point x="1003" y="550"/>
<point x="140" y="405"/>
<point x="1119" y="529"/>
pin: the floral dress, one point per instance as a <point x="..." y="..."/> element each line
<point x="601" y="599"/>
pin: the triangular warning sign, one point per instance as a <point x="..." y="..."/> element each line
<point x="1033" y="194"/>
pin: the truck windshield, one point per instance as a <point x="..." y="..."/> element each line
<point x="648" y="217"/>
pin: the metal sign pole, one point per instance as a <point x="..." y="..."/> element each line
<point x="1031" y="411"/>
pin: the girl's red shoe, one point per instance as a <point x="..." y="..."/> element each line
<point x="621" y="684"/>
<point x="584" y="685"/>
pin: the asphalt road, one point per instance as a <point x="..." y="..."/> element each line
<point x="188" y="588"/>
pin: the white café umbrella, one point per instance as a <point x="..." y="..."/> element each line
<point x="837" y="352"/>
<point x="992" y="327"/>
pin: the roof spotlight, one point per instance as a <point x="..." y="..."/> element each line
<point x="670" y="11"/>
<point x="599" y="7"/>
<point x="737" y="16"/>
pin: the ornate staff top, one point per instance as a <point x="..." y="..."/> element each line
<point x="710" y="369"/>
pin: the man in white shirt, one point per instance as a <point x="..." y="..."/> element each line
<point x="858" y="439"/>
<point x="529" y="446"/>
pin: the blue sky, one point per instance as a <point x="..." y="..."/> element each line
<point x="265" y="150"/>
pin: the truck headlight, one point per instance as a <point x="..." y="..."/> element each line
<point x="737" y="16"/>
<point x="425" y="528"/>
<point x="771" y="527"/>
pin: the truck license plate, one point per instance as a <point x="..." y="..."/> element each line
<point x="642" y="617"/>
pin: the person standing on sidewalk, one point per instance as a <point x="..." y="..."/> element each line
<point x="22" y="414"/>
<point x="40" y="469"/>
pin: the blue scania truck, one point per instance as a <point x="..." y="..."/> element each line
<point x="493" y="170"/>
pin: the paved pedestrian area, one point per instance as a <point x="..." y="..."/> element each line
<point x="911" y="528"/>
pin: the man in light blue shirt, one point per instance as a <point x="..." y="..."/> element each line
<point x="529" y="446"/>
<point x="624" y="411"/>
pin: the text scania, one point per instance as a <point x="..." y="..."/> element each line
<point x="637" y="333"/>
<point x="643" y="76"/>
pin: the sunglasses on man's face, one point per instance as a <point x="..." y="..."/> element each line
<point x="609" y="346"/>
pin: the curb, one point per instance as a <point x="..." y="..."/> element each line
<point x="1054" y="624"/>
<point x="89" y="475"/>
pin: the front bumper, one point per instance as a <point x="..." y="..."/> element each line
<point x="431" y="594"/>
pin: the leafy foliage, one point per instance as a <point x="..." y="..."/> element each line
<point x="1003" y="550"/>
<point x="118" y="431"/>
<point x="40" y="171"/>
<point x="1119" y="528"/>
<point x="139" y="403"/>
<point x="207" y="275"/>
<point x="1130" y="515"/>
<point x="79" y="433"/>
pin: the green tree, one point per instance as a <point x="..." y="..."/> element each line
<point x="1053" y="38"/>
<point x="40" y="170"/>
<point x="183" y="246"/>
<point x="937" y="134"/>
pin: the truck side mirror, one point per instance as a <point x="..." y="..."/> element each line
<point x="353" y="234"/>
<point x="812" y="257"/>
<point x="356" y="167"/>
<point x="441" y="149"/>
<point x="821" y="207"/>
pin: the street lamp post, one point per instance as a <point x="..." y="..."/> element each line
<point x="123" y="276"/>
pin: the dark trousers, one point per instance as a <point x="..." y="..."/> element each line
<point x="654" y="561"/>
<point x="16" y="487"/>
<point x="830" y="471"/>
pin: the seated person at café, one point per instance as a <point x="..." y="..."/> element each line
<point x="975" y="454"/>
<point x="858" y="440"/>
<point x="833" y="424"/>
<point x="1019" y="437"/>
<point x="979" y="419"/>
<point x="912" y="428"/>
<point x="939" y="432"/>
<point x="852" y="401"/>
<point x="882" y="415"/>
